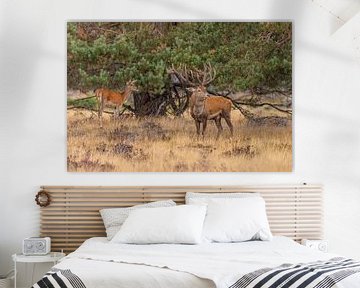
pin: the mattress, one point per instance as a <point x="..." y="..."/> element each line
<point x="99" y="263"/>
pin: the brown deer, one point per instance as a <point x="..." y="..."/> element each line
<point x="202" y="106"/>
<point x="106" y="96"/>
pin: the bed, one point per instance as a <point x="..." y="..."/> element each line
<point x="99" y="263"/>
<point x="295" y="211"/>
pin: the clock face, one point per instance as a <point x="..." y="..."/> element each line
<point x="36" y="246"/>
<point x="40" y="245"/>
<point x="323" y="247"/>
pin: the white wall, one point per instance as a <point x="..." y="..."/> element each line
<point x="33" y="126"/>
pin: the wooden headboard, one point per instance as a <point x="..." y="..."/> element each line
<point x="73" y="215"/>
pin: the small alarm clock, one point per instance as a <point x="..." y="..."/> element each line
<point x="320" y="245"/>
<point x="36" y="246"/>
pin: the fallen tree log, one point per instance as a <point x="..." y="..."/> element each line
<point x="87" y="108"/>
<point x="263" y="104"/>
<point x="79" y="99"/>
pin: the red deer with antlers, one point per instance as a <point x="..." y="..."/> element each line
<point x="202" y="106"/>
<point x="106" y="96"/>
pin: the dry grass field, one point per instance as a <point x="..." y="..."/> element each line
<point x="167" y="144"/>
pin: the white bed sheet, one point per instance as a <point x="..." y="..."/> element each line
<point x="100" y="263"/>
<point x="101" y="274"/>
<point x="109" y="274"/>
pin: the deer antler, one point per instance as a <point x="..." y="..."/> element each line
<point x="183" y="75"/>
<point x="194" y="77"/>
<point x="209" y="74"/>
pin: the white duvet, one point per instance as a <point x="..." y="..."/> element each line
<point x="100" y="263"/>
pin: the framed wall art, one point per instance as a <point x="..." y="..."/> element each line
<point x="179" y="96"/>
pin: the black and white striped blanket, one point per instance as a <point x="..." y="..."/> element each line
<point x="320" y="274"/>
<point x="57" y="278"/>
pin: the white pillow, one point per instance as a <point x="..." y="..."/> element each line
<point x="236" y="220"/>
<point x="204" y="198"/>
<point x="180" y="224"/>
<point x="113" y="218"/>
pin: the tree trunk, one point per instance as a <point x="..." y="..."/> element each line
<point x="148" y="105"/>
<point x="174" y="101"/>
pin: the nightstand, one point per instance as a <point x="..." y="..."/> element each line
<point x="53" y="257"/>
<point x="320" y="245"/>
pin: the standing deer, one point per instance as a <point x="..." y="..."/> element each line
<point x="202" y="106"/>
<point x="105" y="96"/>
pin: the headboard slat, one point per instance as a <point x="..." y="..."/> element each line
<point x="73" y="216"/>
